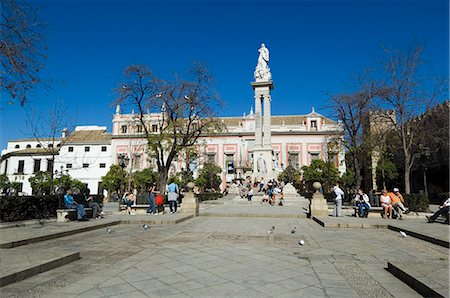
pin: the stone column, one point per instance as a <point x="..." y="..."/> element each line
<point x="258" y="121"/>
<point x="262" y="151"/>
<point x="267" y="125"/>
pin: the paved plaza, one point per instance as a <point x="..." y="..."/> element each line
<point x="228" y="255"/>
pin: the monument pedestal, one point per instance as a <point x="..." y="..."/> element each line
<point x="190" y="203"/>
<point x="262" y="163"/>
<point x="318" y="205"/>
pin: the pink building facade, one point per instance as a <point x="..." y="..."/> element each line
<point x="296" y="141"/>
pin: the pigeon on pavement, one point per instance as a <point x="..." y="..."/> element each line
<point x="301" y="242"/>
<point x="108" y="231"/>
<point x="145" y="227"/>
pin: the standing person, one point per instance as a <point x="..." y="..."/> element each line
<point x="71" y="203"/>
<point x="386" y="204"/>
<point x="397" y="202"/>
<point x="261" y="185"/>
<point x="172" y="196"/>
<point x="443" y="209"/>
<point x="250" y="194"/>
<point x="152" y="207"/>
<point x="362" y="201"/>
<point x="337" y="211"/>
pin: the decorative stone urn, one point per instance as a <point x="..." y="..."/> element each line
<point x="318" y="205"/>
<point x="190" y="202"/>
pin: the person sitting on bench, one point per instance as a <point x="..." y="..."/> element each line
<point x="362" y="202"/>
<point x="71" y="203"/>
<point x="386" y="204"/>
<point x="443" y="210"/>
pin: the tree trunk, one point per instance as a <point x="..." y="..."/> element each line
<point x="163" y="181"/>
<point x="407" y="182"/>
<point x="358" y="177"/>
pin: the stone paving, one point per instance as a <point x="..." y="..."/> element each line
<point x="229" y="257"/>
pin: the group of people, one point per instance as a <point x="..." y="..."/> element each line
<point x="71" y="203"/>
<point x="270" y="189"/>
<point x="392" y="203"/>
<point x="172" y="196"/>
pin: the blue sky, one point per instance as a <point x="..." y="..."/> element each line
<point x="315" y="46"/>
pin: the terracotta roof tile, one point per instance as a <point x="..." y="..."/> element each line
<point x="88" y="137"/>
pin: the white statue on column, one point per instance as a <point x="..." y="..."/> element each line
<point x="262" y="71"/>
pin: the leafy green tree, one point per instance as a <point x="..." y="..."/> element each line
<point x="15" y="186"/>
<point x="4" y="183"/>
<point x="41" y="183"/>
<point x="143" y="179"/>
<point x="348" y="179"/>
<point x="290" y="175"/>
<point x="115" y="180"/>
<point x="323" y="172"/>
<point x="208" y="178"/>
<point x="65" y="181"/>
<point x="386" y="170"/>
<point x="186" y="177"/>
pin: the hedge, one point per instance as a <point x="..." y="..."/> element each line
<point x="16" y="208"/>
<point x="416" y="202"/>
<point x="207" y="196"/>
<point x="328" y="196"/>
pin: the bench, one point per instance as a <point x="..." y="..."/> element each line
<point x="140" y="208"/>
<point x="443" y="218"/>
<point x="372" y="209"/>
<point x="65" y="215"/>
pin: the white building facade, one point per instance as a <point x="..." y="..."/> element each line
<point x="84" y="154"/>
<point x="23" y="158"/>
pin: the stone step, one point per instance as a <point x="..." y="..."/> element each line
<point x="245" y="214"/>
<point x="20" y="264"/>
<point x="80" y="227"/>
<point x="428" y="279"/>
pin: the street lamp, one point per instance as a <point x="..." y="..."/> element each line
<point x="123" y="160"/>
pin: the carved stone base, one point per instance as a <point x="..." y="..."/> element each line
<point x="266" y="155"/>
<point x="318" y="205"/>
<point x="190" y="204"/>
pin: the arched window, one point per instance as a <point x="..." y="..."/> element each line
<point x="28" y="146"/>
<point x="17" y="146"/>
<point x="38" y="146"/>
<point x="59" y="145"/>
<point x="50" y="145"/>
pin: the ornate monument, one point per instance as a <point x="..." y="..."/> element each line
<point x="262" y="152"/>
